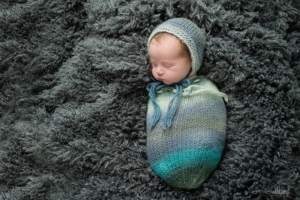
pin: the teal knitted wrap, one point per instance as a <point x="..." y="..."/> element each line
<point x="186" y="153"/>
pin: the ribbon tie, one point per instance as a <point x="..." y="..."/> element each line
<point x="172" y="107"/>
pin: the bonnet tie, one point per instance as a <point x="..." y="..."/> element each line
<point x="172" y="107"/>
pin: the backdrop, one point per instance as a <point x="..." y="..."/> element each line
<point x="73" y="100"/>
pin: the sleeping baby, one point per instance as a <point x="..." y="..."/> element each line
<point x="186" y="116"/>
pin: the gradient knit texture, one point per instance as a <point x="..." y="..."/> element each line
<point x="189" y="151"/>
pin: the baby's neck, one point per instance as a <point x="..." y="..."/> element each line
<point x="192" y="76"/>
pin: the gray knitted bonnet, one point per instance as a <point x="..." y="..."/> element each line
<point x="189" y="33"/>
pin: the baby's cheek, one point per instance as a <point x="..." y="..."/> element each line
<point x="180" y="74"/>
<point x="176" y="77"/>
<point x="152" y="71"/>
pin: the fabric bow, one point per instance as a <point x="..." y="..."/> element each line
<point x="172" y="107"/>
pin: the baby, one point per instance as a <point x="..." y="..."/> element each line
<point x="186" y="117"/>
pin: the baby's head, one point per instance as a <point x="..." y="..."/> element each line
<point x="176" y="49"/>
<point x="170" y="58"/>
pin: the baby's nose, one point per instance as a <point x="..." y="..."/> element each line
<point x="159" y="71"/>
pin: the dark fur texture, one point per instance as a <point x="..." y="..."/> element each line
<point x="73" y="99"/>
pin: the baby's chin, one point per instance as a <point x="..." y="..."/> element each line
<point x="167" y="82"/>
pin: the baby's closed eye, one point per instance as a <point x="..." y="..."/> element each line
<point x="168" y="65"/>
<point x="154" y="64"/>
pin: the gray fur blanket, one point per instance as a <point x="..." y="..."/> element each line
<point x="73" y="101"/>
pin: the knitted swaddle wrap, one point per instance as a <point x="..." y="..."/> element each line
<point x="185" y="154"/>
<point x="189" y="33"/>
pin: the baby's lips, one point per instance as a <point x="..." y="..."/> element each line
<point x="159" y="79"/>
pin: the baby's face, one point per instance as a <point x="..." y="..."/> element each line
<point x="169" y="63"/>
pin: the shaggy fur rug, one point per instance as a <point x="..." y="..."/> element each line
<point x="73" y="100"/>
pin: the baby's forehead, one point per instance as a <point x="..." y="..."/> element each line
<point x="165" y="36"/>
<point x="168" y="39"/>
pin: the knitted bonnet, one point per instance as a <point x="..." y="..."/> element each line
<point x="189" y="33"/>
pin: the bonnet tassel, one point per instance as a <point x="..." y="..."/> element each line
<point x="172" y="107"/>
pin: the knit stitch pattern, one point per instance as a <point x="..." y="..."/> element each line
<point x="189" y="33"/>
<point x="189" y="151"/>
